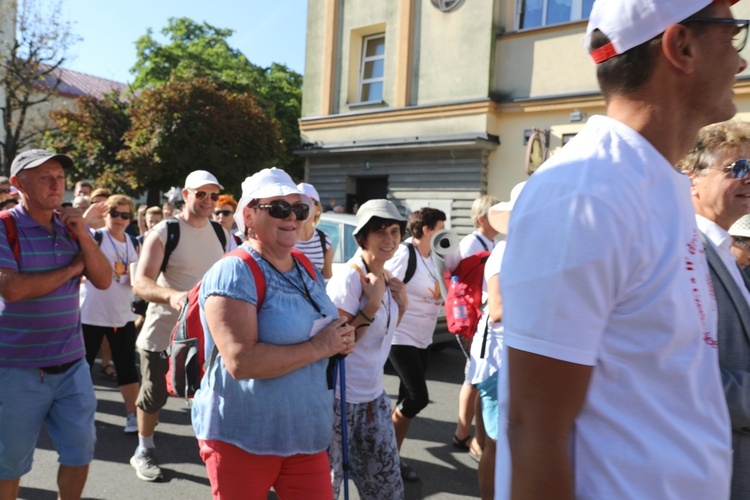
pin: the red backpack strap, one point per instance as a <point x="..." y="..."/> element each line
<point x="11" y="232"/>
<point x="260" y="280"/>
<point x="306" y="263"/>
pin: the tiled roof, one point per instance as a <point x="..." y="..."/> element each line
<point x="75" y="84"/>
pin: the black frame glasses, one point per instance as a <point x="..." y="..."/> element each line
<point x="225" y="213"/>
<point x="123" y="215"/>
<point x="739" y="169"/>
<point x="280" y="209"/>
<point x="201" y="195"/>
<point x="741" y="241"/>
<point x="738" y="40"/>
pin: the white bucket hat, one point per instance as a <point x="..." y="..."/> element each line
<point x="629" y="23"/>
<point x="377" y="208"/>
<point x="268" y="183"/>
<point x="741" y="227"/>
<point x="309" y="190"/>
<point x="499" y="215"/>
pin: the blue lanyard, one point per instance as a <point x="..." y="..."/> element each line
<point x="127" y="250"/>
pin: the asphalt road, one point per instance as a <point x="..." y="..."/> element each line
<point x="445" y="472"/>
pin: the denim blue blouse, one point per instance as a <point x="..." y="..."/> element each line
<point x="285" y="415"/>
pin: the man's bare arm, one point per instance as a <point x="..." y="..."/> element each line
<point x="546" y="396"/>
<point x="15" y="286"/>
<point x="149" y="266"/>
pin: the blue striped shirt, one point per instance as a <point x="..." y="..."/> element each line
<point x="44" y="331"/>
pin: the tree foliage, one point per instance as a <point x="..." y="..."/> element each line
<point x="197" y="50"/>
<point x="28" y="71"/>
<point x="92" y="133"/>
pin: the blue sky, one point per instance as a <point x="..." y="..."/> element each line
<point x="265" y="31"/>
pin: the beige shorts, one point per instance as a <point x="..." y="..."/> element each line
<point x="152" y="395"/>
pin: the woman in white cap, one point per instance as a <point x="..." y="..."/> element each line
<point x="264" y="412"/>
<point x="373" y="303"/>
<point x="313" y="242"/>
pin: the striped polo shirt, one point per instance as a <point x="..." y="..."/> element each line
<point x="44" y="331"/>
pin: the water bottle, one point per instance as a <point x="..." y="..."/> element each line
<point x="459" y="304"/>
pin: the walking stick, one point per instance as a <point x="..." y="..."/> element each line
<point x="344" y="444"/>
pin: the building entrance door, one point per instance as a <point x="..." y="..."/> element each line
<point x="367" y="188"/>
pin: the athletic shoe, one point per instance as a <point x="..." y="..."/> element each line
<point x="131" y="423"/>
<point x="145" y="465"/>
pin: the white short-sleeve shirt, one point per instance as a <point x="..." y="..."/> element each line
<point x="604" y="267"/>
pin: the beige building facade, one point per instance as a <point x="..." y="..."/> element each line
<point x="432" y="102"/>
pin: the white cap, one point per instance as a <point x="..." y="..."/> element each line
<point x="499" y="214"/>
<point x="629" y="23"/>
<point x="199" y="178"/>
<point x="741" y="227"/>
<point x="309" y="190"/>
<point x="268" y="183"/>
<point x="377" y="208"/>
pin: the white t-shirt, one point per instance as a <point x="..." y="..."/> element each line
<point x="470" y="244"/>
<point x="364" y="366"/>
<point x="425" y="298"/>
<point x="111" y="307"/>
<point x="483" y="367"/>
<point x="604" y="266"/>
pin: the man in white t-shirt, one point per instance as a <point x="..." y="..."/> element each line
<point x="609" y="385"/>
<point x="720" y="173"/>
<point x="199" y="245"/>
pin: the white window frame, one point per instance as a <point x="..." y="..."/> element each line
<point x="576" y="13"/>
<point x="363" y="60"/>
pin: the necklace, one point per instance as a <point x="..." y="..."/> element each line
<point x="305" y="292"/>
<point x="429" y="270"/>
<point x="121" y="263"/>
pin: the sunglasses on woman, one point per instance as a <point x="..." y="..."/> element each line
<point x="225" y="213"/>
<point x="739" y="169"/>
<point x="201" y="195"/>
<point x="280" y="209"/>
<point x="123" y="215"/>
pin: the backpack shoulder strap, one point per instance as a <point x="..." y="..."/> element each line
<point x="173" y="237"/>
<point x="306" y="263"/>
<point x="322" y="237"/>
<point x="355" y="266"/>
<point x="11" y="232"/>
<point x="136" y="243"/>
<point x="260" y="280"/>
<point x="219" y="229"/>
<point x="98" y="237"/>
<point x="484" y="245"/>
<point x="411" y="266"/>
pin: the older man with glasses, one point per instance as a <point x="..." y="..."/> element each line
<point x="719" y="169"/>
<point x="176" y="254"/>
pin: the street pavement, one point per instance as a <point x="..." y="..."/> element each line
<point x="445" y="472"/>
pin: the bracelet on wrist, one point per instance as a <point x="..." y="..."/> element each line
<point x="367" y="318"/>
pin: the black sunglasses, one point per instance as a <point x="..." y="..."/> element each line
<point x="123" y="215"/>
<point x="225" y="213"/>
<point x="741" y="241"/>
<point x="3" y="190"/>
<point x="739" y="169"/>
<point x="740" y="37"/>
<point x="201" y="195"/>
<point x="280" y="209"/>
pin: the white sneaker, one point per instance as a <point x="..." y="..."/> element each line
<point x="145" y="465"/>
<point x="131" y="423"/>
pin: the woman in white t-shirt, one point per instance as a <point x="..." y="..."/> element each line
<point x="107" y="313"/>
<point x="373" y="302"/>
<point x="319" y="251"/>
<point x="409" y="349"/>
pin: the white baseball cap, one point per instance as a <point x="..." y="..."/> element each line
<point x="199" y="178"/>
<point x="629" y="23"/>
<point x="267" y="183"/>
<point x="499" y="214"/>
<point x="309" y="190"/>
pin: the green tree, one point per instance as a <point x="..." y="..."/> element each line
<point x="197" y="50"/>
<point x="182" y="126"/>
<point x="92" y="133"/>
<point x="33" y="50"/>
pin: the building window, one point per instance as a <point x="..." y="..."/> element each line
<point x="538" y="13"/>
<point x="371" y="69"/>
